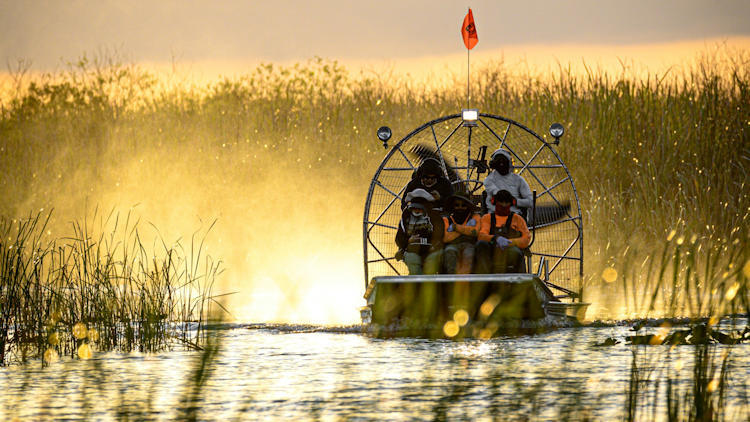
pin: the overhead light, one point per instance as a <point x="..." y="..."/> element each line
<point x="470" y="116"/>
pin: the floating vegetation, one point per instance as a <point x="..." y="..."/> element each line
<point x="90" y="292"/>
<point x="697" y="334"/>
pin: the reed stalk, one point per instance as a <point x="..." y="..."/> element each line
<point x="102" y="291"/>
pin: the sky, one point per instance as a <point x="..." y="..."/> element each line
<point x="48" y="33"/>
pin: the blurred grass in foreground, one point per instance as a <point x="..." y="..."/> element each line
<point x="468" y="380"/>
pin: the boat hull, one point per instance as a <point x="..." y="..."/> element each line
<point x="397" y="303"/>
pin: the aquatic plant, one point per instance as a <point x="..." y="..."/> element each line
<point x="692" y="277"/>
<point x="98" y="290"/>
<point x="709" y="285"/>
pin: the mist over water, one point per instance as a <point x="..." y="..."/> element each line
<point x="289" y="239"/>
<point x="287" y="208"/>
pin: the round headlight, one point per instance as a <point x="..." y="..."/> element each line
<point x="384" y="133"/>
<point x="556" y="130"/>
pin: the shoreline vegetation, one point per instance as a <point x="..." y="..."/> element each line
<point x="661" y="165"/>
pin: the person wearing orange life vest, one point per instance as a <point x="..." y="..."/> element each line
<point x="461" y="230"/>
<point x="502" y="237"/>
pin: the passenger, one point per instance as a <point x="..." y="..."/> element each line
<point x="461" y="230"/>
<point x="420" y="234"/>
<point x="503" y="178"/>
<point x="502" y="237"/>
<point x="430" y="177"/>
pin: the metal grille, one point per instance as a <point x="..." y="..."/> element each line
<point x="559" y="242"/>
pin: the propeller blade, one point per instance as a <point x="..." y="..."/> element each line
<point x="425" y="151"/>
<point x="546" y="214"/>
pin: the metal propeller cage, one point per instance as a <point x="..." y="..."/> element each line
<point x="557" y="251"/>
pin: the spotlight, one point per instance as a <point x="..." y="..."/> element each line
<point x="556" y="130"/>
<point x="384" y="134"/>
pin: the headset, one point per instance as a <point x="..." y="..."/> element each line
<point x="513" y="203"/>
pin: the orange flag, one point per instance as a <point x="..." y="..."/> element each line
<point x="469" y="31"/>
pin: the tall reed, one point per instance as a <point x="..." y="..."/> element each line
<point x="708" y="283"/>
<point x="670" y="150"/>
<point x="99" y="289"/>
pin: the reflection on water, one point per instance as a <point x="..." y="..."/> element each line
<point x="284" y="372"/>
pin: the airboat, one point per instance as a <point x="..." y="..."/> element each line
<point x="548" y="294"/>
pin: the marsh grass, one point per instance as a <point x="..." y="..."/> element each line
<point x="689" y="278"/>
<point x="661" y="165"/>
<point x="670" y="151"/>
<point x="656" y="391"/>
<point x="101" y="289"/>
<point x="709" y="284"/>
<point x="648" y="154"/>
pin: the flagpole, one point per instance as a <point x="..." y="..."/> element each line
<point x="469" y="34"/>
<point x="468" y="89"/>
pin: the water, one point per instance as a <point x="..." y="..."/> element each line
<point x="297" y="372"/>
